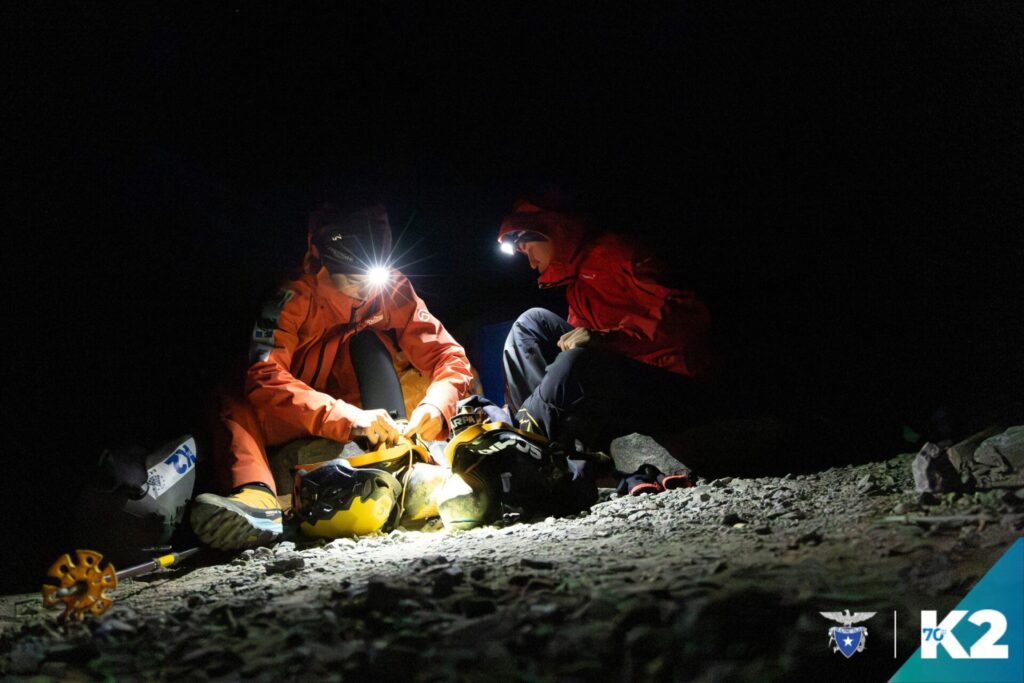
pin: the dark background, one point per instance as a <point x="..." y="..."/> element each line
<point x="843" y="184"/>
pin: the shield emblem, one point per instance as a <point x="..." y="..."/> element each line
<point x="848" y="639"/>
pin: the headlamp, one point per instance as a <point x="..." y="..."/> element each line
<point x="513" y="241"/>
<point x="378" y="276"/>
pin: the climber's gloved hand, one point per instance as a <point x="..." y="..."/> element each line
<point x="376" y="426"/>
<point x="427" y="421"/>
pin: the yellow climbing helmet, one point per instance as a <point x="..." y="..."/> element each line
<point x="335" y="499"/>
<point x="359" y="494"/>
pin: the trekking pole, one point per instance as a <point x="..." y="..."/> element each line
<point x="82" y="587"/>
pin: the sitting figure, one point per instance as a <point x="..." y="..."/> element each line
<point x="634" y="354"/>
<point x="323" y="361"/>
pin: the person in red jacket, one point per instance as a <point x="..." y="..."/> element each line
<point x="323" y="357"/>
<point x="634" y="354"/>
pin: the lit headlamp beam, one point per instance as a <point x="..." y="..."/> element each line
<point x="378" y="276"/>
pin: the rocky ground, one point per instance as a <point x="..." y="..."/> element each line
<point x="723" y="581"/>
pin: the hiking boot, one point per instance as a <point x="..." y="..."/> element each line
<point x="245" y="519"/>
<point x="649" y="479"/>
<point x="644" y="480"/>
<point x="679" y="480"/>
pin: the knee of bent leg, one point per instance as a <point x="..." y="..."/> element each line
<point x="531" y="324"/>
<point x="531" y="317"/>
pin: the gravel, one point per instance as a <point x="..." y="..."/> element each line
<point x="721" y="581"/>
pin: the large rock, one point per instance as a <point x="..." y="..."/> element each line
<point x="1007" y="447"/>
<point x="933" y="472"/>
<point x="962" y="453"/>
<point x="633" y="450"/>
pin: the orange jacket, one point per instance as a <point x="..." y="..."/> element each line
<point x="299" y="378"/>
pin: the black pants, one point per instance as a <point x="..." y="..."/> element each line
<point x="378" y="384"/>
<point x="590" y="394"/>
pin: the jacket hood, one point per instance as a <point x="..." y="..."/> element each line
<point x="566" y="232"/>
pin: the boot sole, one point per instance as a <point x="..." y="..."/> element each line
<point x="226" y="526"/>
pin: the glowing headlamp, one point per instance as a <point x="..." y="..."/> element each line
<point x="513" y="241"/>
<point x="378" y="276"/>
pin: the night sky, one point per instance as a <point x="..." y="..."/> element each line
<point x="844" y="186"/>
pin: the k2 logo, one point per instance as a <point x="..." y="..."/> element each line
<point x="182" y="460"/>
<point x="985" y="647"/>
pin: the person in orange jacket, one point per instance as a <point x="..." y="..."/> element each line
<point x="634" y="354"/>
<point x="323" y="356"/>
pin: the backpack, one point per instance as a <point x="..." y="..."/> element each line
<point x="501" y="471"/>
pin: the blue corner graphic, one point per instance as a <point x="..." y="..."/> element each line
<point x="983" y="639"/>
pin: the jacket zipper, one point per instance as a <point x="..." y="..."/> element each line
<point x="561" y="283"/>
<point x="323" y="347"/>
<point x="319" y="362"/>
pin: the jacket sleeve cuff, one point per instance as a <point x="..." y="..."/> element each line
<point x="337" y="424"/>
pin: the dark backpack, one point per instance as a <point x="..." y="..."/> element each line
<point x="524" y="473"/>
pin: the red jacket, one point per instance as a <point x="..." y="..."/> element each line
<point x="613" y="287"/>
<point x="299" y="380"/>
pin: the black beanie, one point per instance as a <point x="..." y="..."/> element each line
<point x="351" y="243"/>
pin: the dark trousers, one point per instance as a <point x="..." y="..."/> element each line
<point x="590" y="394"/>
<point x="379" y="386"/>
